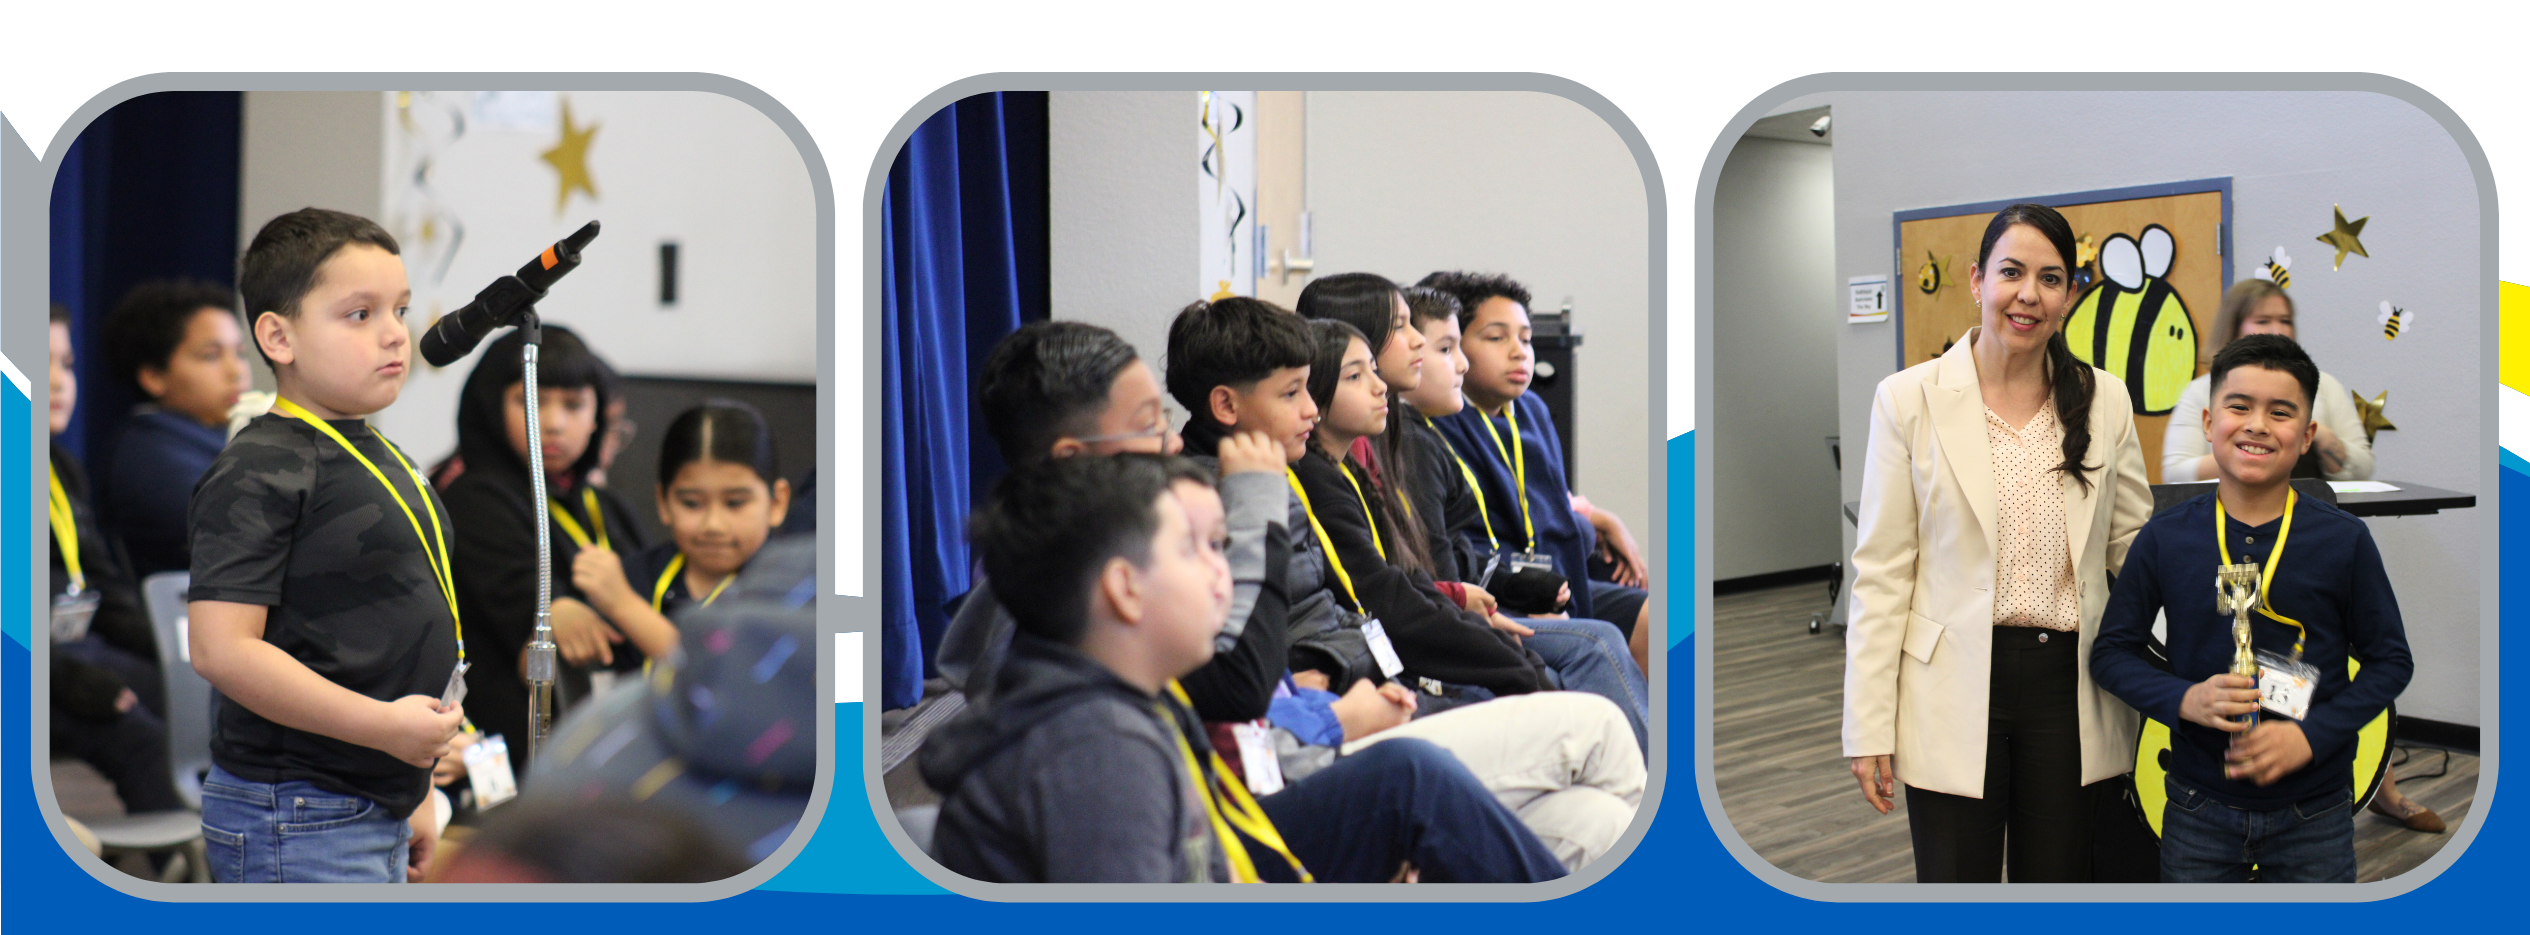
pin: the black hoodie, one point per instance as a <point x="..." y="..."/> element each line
<point x="1068" y="774"/>
<point x="494" y="553"/>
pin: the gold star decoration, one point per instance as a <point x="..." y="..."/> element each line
<point x="570" y="158"/>
<point x="2370" y="409"/>
<point x="2345" y="237"/>
<point x="2084" y="251"/>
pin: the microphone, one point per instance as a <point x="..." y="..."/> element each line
<point x="499" y="304"/>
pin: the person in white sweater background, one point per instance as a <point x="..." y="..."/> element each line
<point x="2256" y="306"/>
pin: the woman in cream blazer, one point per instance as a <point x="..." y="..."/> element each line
<point x="1987" y="712"/>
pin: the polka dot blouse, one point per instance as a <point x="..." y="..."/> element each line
<point x="2033" y="567"/>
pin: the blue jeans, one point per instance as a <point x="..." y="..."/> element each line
<point x="294" y="832"/>
<point x="1591" y="656"/>
<point x="1360" y="819"/>
<point x="2206" y="841"/>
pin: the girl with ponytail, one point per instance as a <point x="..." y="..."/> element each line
<point x="2002" y="485"/>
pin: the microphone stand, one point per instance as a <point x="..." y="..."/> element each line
<point x="540" y="652"/>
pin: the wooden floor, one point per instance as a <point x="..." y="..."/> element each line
<point x="1778" y="696"/>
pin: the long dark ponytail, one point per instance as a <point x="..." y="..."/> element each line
<point x="2068" y="378"/>
<point x="1397" y="523"/>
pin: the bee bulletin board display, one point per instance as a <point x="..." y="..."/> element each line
<point x="2148" y="278"/>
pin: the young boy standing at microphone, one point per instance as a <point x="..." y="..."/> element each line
<point x="321" y="604"/>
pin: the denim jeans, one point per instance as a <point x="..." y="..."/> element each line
<point x="1591" y="656"/>
<point x="1398" y="802"/>
<point x="2206" y="841"/>
<point x="294" y="832"/>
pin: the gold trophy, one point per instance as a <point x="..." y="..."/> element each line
<point x="2236" y="591"/>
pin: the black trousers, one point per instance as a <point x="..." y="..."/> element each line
<point x="2033" y="814"/>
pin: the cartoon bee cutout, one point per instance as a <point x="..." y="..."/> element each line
<point x="2394" y="321"/>
<point x="2134" y="325"/>
<point x="2278" y="270"/>
<point x="1928" y="276"/>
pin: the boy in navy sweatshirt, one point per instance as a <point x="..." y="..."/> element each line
<point x="2250" y="787"/>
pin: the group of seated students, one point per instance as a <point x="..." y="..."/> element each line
<point x="1347" y="636"/>
<point x="332" y="586"/>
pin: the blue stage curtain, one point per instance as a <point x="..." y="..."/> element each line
<point x="148" y="191"/>
<point x="963" y="251"/>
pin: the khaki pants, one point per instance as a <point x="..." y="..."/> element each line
<point x="1565" y="762"/>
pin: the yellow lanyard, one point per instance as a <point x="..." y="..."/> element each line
<point x="1517" y="457"/>
<point x="1482" y="512"/>
<point x="1366" y="515"/>
<point x="659" y="592"/>
<point x="597" y="520"/>
<point x="66" y="534"/>
<point x="2266" y="580"/>
<point x="1240" y="811"/>
<point x="1325" y="543"/>
<point x="438" y="560"/>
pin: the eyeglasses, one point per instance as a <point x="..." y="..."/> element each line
<point x="1168" y="416"/>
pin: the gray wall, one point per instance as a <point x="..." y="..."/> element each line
<point x="1777" y="307"/>
<point x="2290" y="156"/>
<point x="308" y="149"/>
<point x="1404" y="183"/>
<point x="1120" y="172"/>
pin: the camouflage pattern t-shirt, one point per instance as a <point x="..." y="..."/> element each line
<point x="287" y="519"/>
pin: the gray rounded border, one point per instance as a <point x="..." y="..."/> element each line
<point x="2489" y="493"/>
<point x="1656" y="198"/>
<point x="27" y="264"/>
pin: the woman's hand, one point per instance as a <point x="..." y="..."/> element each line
<point x="452" y="767"/>
<point x="1477" y="599"/>
<point x="1367" y="709"/>
<point x="599" y="576"/>
<point x="1310" y="678"/>
<point x="1878" y="776"/>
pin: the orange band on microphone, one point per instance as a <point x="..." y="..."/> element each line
<point x="548" y="258"/>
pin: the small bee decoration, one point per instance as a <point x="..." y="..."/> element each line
<point x="2394" y="321"/>
<point x="2278" y="270"/>
<point x="2086" y="256"/>
<point x="2134" y="324"/>
<point x="1928" y="276"/>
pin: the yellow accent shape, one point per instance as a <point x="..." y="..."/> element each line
<point x="570" y="159"/>
<point x="2512" y="360"/>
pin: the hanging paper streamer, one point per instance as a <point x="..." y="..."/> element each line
<point x="2394" y="321"/>
<point x="2346" y="237"/>
<point x="2135" y="325"/>
<point x="2278" y="269"/>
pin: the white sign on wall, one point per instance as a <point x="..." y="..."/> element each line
<point x="1869" y="300"/>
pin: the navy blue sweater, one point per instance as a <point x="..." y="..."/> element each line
<point x="2330" y="579"/>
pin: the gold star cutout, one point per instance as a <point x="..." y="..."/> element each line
<point x="2370" y="410"/>
<point x="2084" y="251"/>
<point x="2344" y="238"/>
<point x="1929" y="277"/>
<point x="570" y="158"/>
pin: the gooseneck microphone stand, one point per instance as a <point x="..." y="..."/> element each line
<point x="511" y="300"/>
<point x="540" y="651"/>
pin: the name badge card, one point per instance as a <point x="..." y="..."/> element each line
<point x="1257" y="759"/>
<point x="488" y="771"/>
<point x="71" y="615"/>
<point x="1382" y="650"/>
<point x="2285" y="685"/>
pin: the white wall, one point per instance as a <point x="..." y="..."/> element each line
<point x="2290" y="156"/>
<point x="701" y="169"/>
<point x="1124" y="232"/>
<point x="1530" y="184"/>
<point x="1776" y="310"/>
